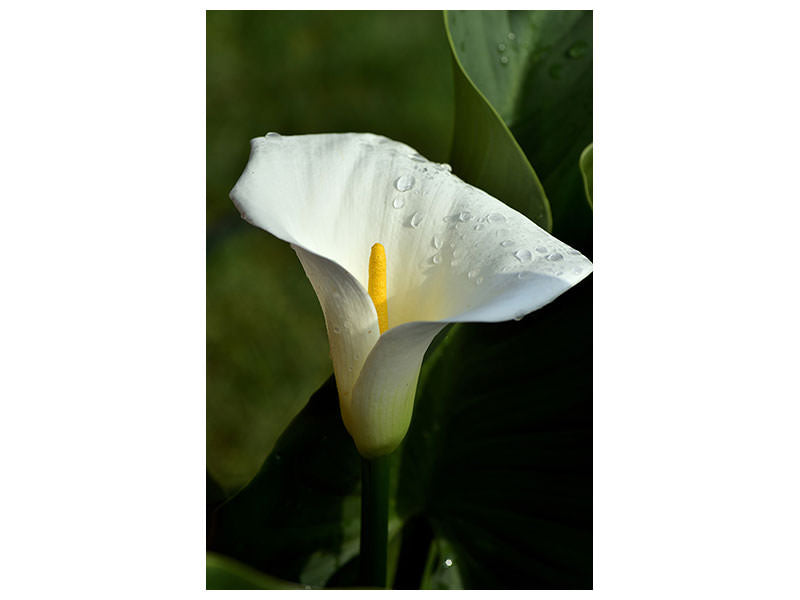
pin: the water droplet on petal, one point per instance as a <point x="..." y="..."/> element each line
<point x="496" y="218"/>
<point x="336" y="329"/>
<point x="458" y="252"/>
<point x="273" y="134"/>
<point x="479" y="281"/>
<point x="573" y="252"/>
<point x="519" y="317"/>
<point x="417" y="157"/>
<point x="472" y="274"/>
<point x="437" y="258"/>
<point x="478" y="227"/>
<point x="523" y="275"/>
<point x="444" y="167"/>
<point x="503" y="60"/>
<point x="541" y="250"/>
<point x="523" y="255"/>
<point x="416" y="219"/>
<point x="404" y="183"/>
<point x="506" y="243"/>
<point x="437" y="242"/>
<point x="398" y="203"/>
<point x="555" y="256"/>
<point x="464" y="216"/>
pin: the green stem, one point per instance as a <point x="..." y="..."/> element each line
<point x="374" y="520"/>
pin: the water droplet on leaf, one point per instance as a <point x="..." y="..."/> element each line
<point x="577" y="49"/>
<point x="503" y="60"/>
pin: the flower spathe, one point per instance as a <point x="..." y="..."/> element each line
<point x="453" y="254"/>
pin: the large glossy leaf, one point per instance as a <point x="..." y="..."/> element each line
<point x="535" y="69"/>
<point x="586" y="171"/>
<point x="299" y="518"/>
<point x="499" y="456"/>
<point x="485" y="154"/>
<point x="223" y="573"/>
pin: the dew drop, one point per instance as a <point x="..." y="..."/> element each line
<point x="398" y="203"/>
<point x="541" y="250"/>
<point x="506" y="243"/>
<point x="577" y="49"/>
<point x="501" y="47"/>
<point x="472" y="274"/>
<point x="554" y="257"/>
<point x="448" y="562"/>
<point x="444" y="167"/>
<point x="273" y="134"/>
<point x="336" y="329"/>
<point x="573" y="252"/>
<point x="437" y="258"/>
<point x="478" y="227"/>
<point x="523" y="275"/>
<point x="455" y="263"/>
<point x="511" y="35"/>
<point x="437" y="242"/>
<point x="503" y="60"/>
<point x="404" y="183"/>
<point x="519" y="317"/>
<point x="416" y="219"/>
<point x="417" y="157"/>
<point x="464" y="216"/>
<point x="479" y="281"/>
<point x="496" y="218"/>
<point x="458" y="252"/>
<point x="523" y="255"/>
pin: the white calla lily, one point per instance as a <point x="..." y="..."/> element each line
<point x="453" y="254"/>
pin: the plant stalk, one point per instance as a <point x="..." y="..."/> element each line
<point x="374" y="520"/>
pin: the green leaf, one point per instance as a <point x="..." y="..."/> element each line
<point x="586" y="171"/>
<point x="535" y="69"/>
<point x="499" y="454"/>
<point x="299" y="518"/>
<point x="504" y="171"/>
<point x="223" y="573"/>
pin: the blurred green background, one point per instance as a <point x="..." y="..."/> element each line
<point x="387" y="72"/>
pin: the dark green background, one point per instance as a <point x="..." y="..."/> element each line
<point x="294" y="72"/>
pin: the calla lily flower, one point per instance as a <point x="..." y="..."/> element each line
<point x="448" y="253"/>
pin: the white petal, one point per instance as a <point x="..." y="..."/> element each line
<point x="454" y="253"/>
<point x="350" y="318"/>
<point x="383" y="398"/>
